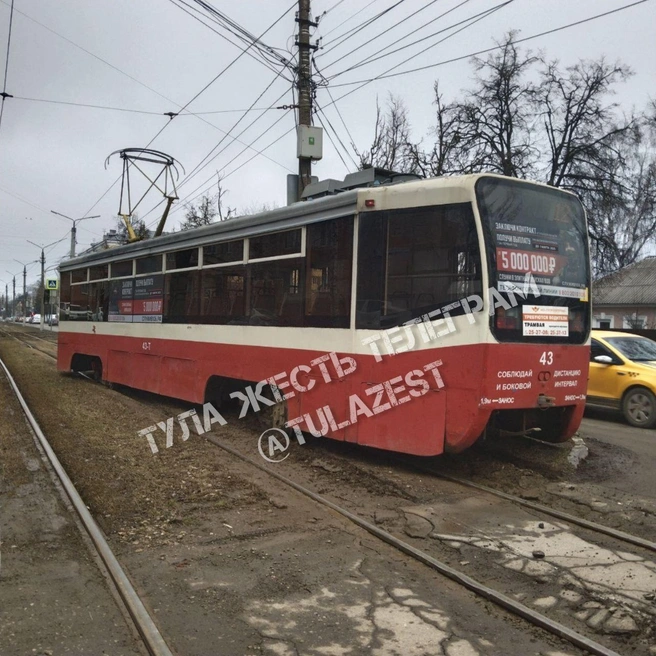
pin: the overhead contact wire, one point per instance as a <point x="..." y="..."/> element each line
<point x="468" y="22"/>
<point x="372" y="58"/>
<point x="184" y="107"/>
<point x="369" y="41"/>
<point x="484" y="51"/>
<point x="358" y="28"/>
<point x="4" y="85"/>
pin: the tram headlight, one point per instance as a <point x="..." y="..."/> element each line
<point x="508" y="319"/>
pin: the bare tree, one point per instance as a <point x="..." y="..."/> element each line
<point x="257" y="208"/>
<point x="225" y="211"/>
<point x="580" y="126"/>
<point x="499" y="114"/>
<point x="622" y="213"/>
<point x="199" y="215"/>
<point x="389" y="148"/>
<point x="452" y="135"/>
<point x="526" y="117"/>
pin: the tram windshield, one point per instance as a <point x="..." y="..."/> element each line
<point x="539" y="231"/>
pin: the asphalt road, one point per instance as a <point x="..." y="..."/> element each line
<point x="638" y="444"/>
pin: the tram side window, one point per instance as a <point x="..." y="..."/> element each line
<point x="79" y="308"/>
<point x="65" y="288"/>
<point x="122" y="269"/>
<point x="98" y="303"/>
<point x="182" y="259"/>
<point x="276" y="293"/>
<point x="99" y="272"/>
<point x="150" y="264"/>
<point x="329" y="269"/>
<point x="79" y="275"/>
<point x="415" y="260"/>
<point x="223" y="296"/>
<point x="279" y="243"/>
<point x="182" y="297"/>
<point x="227" y="251"/>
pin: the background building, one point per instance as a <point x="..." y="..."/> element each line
<point x="626" y="299"/>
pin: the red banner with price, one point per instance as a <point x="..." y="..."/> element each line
<point x="539" y="264"/>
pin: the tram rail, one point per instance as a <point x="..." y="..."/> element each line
<point x="26" y="342"/>
<point x="558" y="514"/>
<point x="151" y="637"/>
<point x="503" y="601"/>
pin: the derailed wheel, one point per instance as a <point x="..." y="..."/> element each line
<point x="273" y="416"/>
<point x="639" y="408"/>
<point x="96" y="368"/>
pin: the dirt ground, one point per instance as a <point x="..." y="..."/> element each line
<point x="233" y="562"/>
<point x="54" y="600"/>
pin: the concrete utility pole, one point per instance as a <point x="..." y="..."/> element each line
<point x="304" y="86"/>
<point x="43" y="278"/>
<point x="43" y="289"/>
<point x="24" y="286"/>
<point x="13" y="303"/>
<point x="74" y="228"/>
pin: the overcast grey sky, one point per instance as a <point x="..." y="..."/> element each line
<point x="157" y="58"/>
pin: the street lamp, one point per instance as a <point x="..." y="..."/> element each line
<point x="43" y="277"/>
<point x="74" y="228"/>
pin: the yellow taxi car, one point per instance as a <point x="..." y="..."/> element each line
<point x="623" y="376"/>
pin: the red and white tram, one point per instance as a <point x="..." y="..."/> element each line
<point x="411" y="316"/>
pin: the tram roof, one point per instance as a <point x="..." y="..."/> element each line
<point x="283" y="218"/>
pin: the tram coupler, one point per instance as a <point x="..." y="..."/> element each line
<point x="545" y="401"/>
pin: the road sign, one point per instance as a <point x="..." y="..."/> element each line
<point x="52" y="283"/>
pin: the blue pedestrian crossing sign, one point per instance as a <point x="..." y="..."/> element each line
<point x="52" y="283"/>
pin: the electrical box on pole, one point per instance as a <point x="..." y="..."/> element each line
<point x="309" y="142"/>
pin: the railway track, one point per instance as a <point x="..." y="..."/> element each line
<point x="152" y="640"/>
<point x="558" y="514"/>
<point x="26" y="342"/>
<point x="504" y="601"/>
<point x="507" y="603"/>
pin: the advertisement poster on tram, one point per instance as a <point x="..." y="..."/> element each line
<point x="541" y="321"/>
<point x="549" y="254"/>
<point x="121" y="293"/>
<point x="148" y="299"/>
<point x="137" y="300"/>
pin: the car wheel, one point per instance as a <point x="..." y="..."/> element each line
<point x="639" y="408"/>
